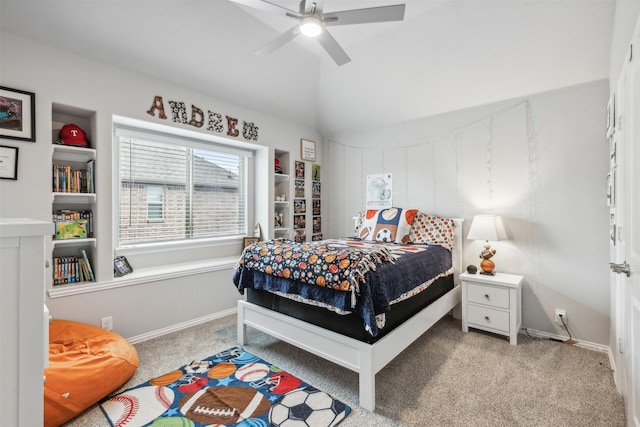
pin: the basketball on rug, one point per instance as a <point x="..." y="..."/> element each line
<point x="231" y="388"/>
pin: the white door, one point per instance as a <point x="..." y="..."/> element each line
<point x="631" y="237"/>
<point x="627" y="208"/>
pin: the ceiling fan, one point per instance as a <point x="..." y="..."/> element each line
<point x="312" y="23"/>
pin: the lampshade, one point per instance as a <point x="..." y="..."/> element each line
<point x="487" y="227"/>
<point x="310" y="26"/>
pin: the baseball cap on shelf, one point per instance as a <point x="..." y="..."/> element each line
<point x="71" y="134"/>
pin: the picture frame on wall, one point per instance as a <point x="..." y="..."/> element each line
<point x="8" y="162"/>
<point x="299" y="170"/>
<point x="246" y="241"/>
<point x="611" y="189"/>
<point x="299" y="187"/>
<point x="315" y="172"/>
<point x="611" y="115"/>
<point x="308" y="150"/>
<point x="17" y="114"/>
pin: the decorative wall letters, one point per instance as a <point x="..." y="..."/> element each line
<point x="214" y="120"/>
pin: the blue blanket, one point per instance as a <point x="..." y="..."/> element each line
<point x="413" y="266"/>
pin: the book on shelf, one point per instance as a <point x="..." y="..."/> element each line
<point x="69" y="180"/>
<point x="72" y="269"/>
<point x="92" y="278"/>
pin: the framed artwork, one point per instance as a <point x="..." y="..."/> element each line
<point x="315" y="190"/>
<point x="316" y="207"/>
<point x="611" y="189"/>
<point x="17" y="114"/>
<point x="307" y="150"/>
<point x="611" y="115"/>
<point x="315" y="172"/>
<point x="299" y="169"/>
<point x="612" y="227"/>
<point x="613" y="150"/>
<point x="121" y="266"/>
<point x="299" y="187"/>
<point x="8" y="162"/>
<point x="299" y="221"/>
<point x="379" y="191"/>
<point x="246" y="241"/>
<point x="299" y="206"/>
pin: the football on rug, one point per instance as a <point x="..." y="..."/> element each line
<point x="231" y="388"/>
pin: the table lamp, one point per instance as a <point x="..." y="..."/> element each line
<point x="487" y="227"/>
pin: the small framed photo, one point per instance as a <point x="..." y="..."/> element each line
<point x="299" y="169"/>
<point x="299" y="186"/>
<point x="8" y="162"/>
<point x="17" y="114"/>
<point x="246" y="241"/>
<point x="121" y="266"/>
<point x="315" y="172"/>
<point x="611" y="115"/>
<point x="611" y="189"/>
<point x="307" y="150"/>
<point x="315" y="190"/>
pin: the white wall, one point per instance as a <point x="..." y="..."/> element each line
<point x="625" y="18"/>
<point x="540" y="162"/>
<point x="58" y="77"/>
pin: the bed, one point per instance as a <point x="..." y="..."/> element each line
<point x="369" y="317"/>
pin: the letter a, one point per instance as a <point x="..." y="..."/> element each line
<point x="157" y="105"/>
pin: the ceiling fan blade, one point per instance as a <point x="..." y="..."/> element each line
<point x="278" y="42"/>
<point x="365" y="16"/>
<point x="268" y="6"/>
<point x="333" y="48"/>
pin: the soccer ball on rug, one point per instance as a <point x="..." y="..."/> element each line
<point x="307" y="407"/>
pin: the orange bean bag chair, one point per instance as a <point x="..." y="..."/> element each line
<point x="86" y="363"/>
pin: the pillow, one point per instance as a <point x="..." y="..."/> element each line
<point x="432" y="229"/>
<point x="387" y="225"/>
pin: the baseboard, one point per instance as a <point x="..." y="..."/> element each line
<point x="180" y="326"/>
<point x="582" y="344"/>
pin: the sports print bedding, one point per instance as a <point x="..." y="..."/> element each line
<point x="317" y="273"/>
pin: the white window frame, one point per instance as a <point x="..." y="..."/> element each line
<point x="191" y="249"/>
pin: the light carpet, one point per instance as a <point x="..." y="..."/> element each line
<point x="445" y="378"/>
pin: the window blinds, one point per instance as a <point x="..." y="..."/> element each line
<point x="173" y="188"/>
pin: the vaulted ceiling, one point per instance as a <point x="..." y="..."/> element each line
<point x="444" y="56"/>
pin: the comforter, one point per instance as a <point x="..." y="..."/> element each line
<point x="375" y="276"/>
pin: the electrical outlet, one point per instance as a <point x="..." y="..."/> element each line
<point x="107" y="323"/>
<point x="562" y="313"/>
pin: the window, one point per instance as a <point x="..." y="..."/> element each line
<point x="155" y="201"/>
<point x="175" y="188"/>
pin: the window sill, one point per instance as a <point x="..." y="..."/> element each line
<point x="146" y="275"/>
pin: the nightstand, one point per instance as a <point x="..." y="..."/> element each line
<point x="492" y="303"/>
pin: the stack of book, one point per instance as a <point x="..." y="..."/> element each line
<point x="69" y="180"/>
<point x="72" y="269"/>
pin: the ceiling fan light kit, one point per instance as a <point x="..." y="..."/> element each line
<point x="310" y="26"/>
<point x="311" y="23"/>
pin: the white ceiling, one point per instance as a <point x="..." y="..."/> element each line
<point x="446" y="54"/>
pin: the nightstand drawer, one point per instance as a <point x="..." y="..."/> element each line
<point x="487" y="318"/>
<point x="488" y="295"/>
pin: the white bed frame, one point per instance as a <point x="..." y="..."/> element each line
<point x="363" y="358"/>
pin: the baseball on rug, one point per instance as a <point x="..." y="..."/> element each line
<point x="231" y="388"/>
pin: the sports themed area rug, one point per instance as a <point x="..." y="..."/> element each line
<point x="231" y="388"/>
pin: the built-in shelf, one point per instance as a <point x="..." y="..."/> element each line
<point x="89" y="241"/>
<point x="74" y="198"/>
